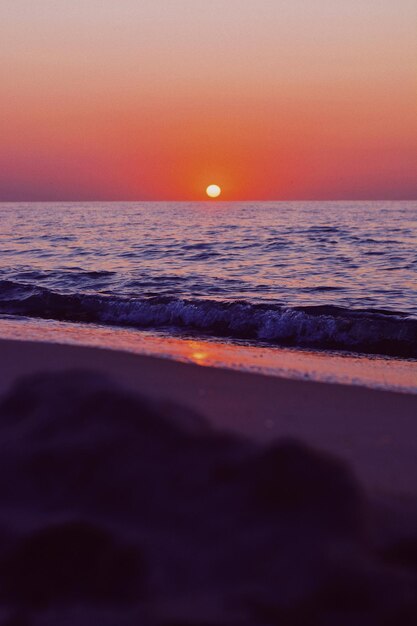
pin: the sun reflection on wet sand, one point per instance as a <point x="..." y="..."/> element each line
<point x="199" y="356"/>
<point x="344" y="368"/>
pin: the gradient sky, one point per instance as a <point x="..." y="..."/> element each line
<point x="155" y="99"/>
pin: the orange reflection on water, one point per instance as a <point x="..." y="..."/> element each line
<point x="199" y="357"/>
<point x="345" y="368"/>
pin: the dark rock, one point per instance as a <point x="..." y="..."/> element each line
<point x="68" y="562"/>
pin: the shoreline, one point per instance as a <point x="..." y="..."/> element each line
<point x="375" y="372"/>
<point x="373" y="430"/>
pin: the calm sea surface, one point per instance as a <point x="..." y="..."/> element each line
<point x="339" y="275"/>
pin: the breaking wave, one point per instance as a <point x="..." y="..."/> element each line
<point x="320" y="327"/>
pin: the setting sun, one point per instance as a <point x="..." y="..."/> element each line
<point x="213" y="191"/>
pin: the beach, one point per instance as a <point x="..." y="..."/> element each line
<point x="208" y="414"/>
<point x="143" y="490"/>
<point x="208" y="313"/>
<point x="373" y="430"/>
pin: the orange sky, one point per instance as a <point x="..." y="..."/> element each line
<point x="155" y="99"/>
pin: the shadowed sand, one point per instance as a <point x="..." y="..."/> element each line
<point x="127" y="508"/>
<point x="375" y="431"/>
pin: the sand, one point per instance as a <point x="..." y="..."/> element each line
<point x="136" y="490"/>
<point x="374" y="430"/>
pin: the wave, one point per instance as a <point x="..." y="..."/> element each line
<point x="320" y="327"/>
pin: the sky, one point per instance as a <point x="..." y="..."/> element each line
<point x="156" y="99"/>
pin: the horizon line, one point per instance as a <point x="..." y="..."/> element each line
<point x="216" y="200"/>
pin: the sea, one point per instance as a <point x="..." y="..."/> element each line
<point x="311" y="277"/>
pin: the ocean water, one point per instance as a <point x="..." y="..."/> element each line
<point x="317" y="275"/>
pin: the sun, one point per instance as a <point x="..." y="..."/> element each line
<point x="213" y="191"/>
